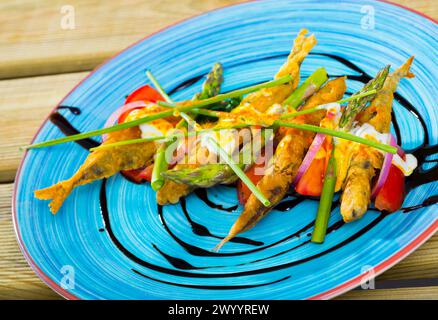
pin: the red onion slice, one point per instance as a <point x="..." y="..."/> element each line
<point x="385" y="168"/>
<point x="113" y="118"/>
<point x="310" y="155"/>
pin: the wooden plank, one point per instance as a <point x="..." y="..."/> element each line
<point x="17" y="280"/>
<point x="33" y="42"/>
<point x="424" y="293"/>
<point x="24" y="104"/>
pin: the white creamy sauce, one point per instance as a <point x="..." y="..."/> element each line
<point x="368" y="131"/>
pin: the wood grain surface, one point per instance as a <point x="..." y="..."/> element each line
<point x="40" y="62"/>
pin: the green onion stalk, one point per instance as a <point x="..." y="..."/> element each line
<point x="341" y="134"/>
<point x="196" y="105"/>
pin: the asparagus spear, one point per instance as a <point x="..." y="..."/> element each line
<point x="325" y="203"/>
<point x="160" y="165"/>
<point x="212" y="85"/>
<point x="210" y="88"/>
<point x="306" y="89"/>
<point x="204" y="176"/>
<point x="358" y="105"/>
<point x="208" y="175"/>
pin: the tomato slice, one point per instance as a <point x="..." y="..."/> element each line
<point x="392" y="194"/>
<point x="312" y="180"/>
<point x="139" y="175"/>
<point x="145" y="93"/>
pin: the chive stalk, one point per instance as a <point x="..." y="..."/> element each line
<point x="339" y="134"/>
<point x="321" y="107"/>
<point x="159" y="115"/>
<point x="233" y="94"/>
<point x="239" y="172"/>
<point x="325" y="203"/>
<point x="158" y="87"/>
<point x="168" y="138"/>
<point x="166" y="97"/>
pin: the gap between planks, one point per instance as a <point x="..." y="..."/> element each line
<point x="24" y="104"/>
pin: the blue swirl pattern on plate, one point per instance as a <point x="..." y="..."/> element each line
<point x="160" y="256"/>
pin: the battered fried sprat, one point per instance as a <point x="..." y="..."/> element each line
<point x="100" y="164"/>
<point x="365" y="160"/>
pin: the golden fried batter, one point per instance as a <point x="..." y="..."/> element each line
<point x="101" y="164"/>
<point x="363" y="161"/>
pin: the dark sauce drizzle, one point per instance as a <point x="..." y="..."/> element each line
<point x="193" y="286"/>
<point x="75" y="110"/>
<point x="67" y="128"/>
<point x="203" y="196"/>
<point x="419" y="177"/>
<point x="179" y="272"/>
<point x="203" y="231"/>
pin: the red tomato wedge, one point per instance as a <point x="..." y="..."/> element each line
<point x="311" y="182"/>
<point x="139" y="175"/>
<point x="392" y="194"/>
<point x="146" y="94"/>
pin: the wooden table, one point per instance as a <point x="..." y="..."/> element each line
<point x="40" y="62"/>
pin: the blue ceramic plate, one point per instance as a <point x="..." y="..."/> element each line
<point x="110" y="241"/>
